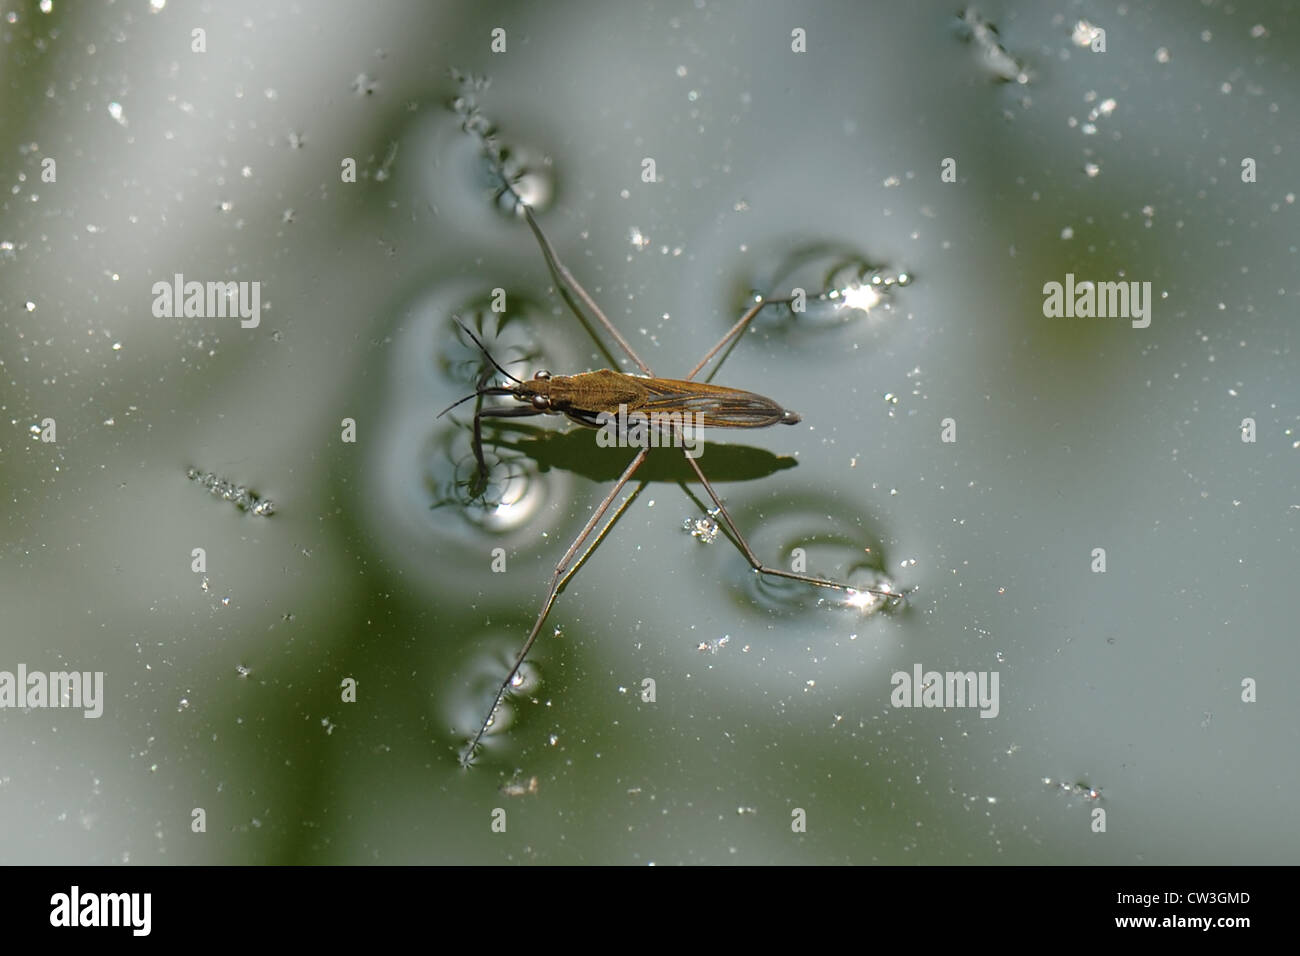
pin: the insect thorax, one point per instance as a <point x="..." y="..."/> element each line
<point x="600" y="391"/>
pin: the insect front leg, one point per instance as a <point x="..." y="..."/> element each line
<point x="479" y="484"/>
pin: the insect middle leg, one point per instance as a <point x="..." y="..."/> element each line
<point x="761" y="568"/>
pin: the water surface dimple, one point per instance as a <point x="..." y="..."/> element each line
<point x="805" y="535"/>
<point x="822" y="284"/>
<point x="528" y="171"/>
<point x="420" y="466"/>
<point x="471" y="685"/>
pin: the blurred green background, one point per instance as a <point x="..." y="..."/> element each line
<point x="223" y="688"/>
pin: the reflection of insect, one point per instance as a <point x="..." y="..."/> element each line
<point x="584" y="397"/>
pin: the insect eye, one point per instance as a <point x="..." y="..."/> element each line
<point x="541" y="402"/>
<point x="542" y="375"/>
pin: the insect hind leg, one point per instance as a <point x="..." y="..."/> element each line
<point x="891" y="598"/>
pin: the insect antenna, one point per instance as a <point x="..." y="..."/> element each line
<point x="482" y="348"/>
<point x="493" y="390"/>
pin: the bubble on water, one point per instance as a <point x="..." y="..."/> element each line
<point x="1079" y="789"/>
<point x="517" y="787"/>
<point x="1084" y="33"/>
<point x="364" y="85"/>
<point x="240" y="496"/>
<point x="714" y="646"/>
<point x="115" y="110"/>
<point x="992" y="55"/>
<point x="703" y="529"/>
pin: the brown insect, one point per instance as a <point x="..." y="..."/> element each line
<point x="593" y="398"/>
<point x="587" y="398"/>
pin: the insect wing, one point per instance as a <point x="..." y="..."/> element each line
<point x="714" y="405"/>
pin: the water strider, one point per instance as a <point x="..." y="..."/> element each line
<point x="588" y="397"/>
<point x="603" y="397"/>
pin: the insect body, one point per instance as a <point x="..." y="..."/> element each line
<point x="585" y="396"/>
<point x="593" y="398"/>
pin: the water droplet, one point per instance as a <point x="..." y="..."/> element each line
<point x="364" y="85"/>
<point x="992" y="54"/>
<point x="703" y="529"/>
<point x="240" y="496"/>
<point x="1084" y="33"/>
